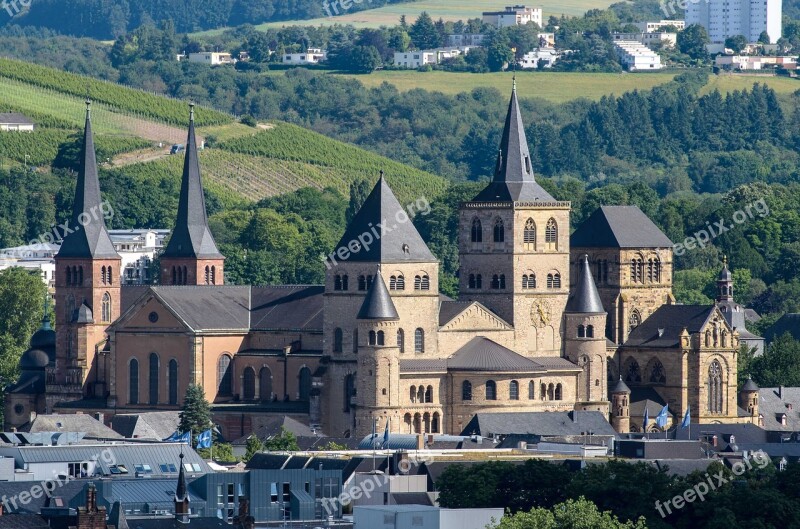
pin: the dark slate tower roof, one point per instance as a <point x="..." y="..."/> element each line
<point x="191" y="237"/>
<point x="117" y="517"/>
<point x="619" y="227"/>
<point x="400" y="241"/>
<point x="725" y="275"/>
<point x="513" y="176"/>
<point x="378" y="303"/>
<point x="585" y="299"/>
<point x="750" y="385"/>
<point x="181" y="491"/>
<point x="90" y="238"/>
<point x="621" y="387"/>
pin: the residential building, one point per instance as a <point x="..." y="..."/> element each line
<point x="417" y="59"/>
<point x="211" y="58"/>
<point x="466" y="39"/>
<point x="758" y="62"/>
<point x="547" y="57"/>
<point x="15" y="122"/>
<point x="636" y="57"/>
<point x="408" y="516"/>
<point x="656" y="27"/>
<point x="667" y="40"/>
<point x="516" y="15"/>
<point x="729" y="18"/>
<point x="309" y="56"/>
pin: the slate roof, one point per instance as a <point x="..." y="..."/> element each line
<point x="620" y="387"/>
<point x="273" y="427"/>
<point x="156" y="425"/>
<point x="15" y="118"/>
<point x="21" y="521"/>
<point x="538" y="423"/>
<point x="787" y="323"/>
<point x="450" y="309"/>
<point x="750" y="385"/>
<point x="191" y="237"/>
<point x="90" y="239"/>
<point x="171" y="523"/>
<point x="584" y="299"/>
<point x="288" y="307"/>
<point x="513" y="179"/>
<point x="771" y="406"/>
<point x="619" y="227"/>
<point x="400" y="242"/>
<point x="664" y="326"/>
<point x="10" y="489"/>
<point x="645" y="398"/>
<point x="71" y="423"/>
<point x="378" y="303"/>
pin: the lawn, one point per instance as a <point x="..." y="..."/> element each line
<point x="445" y="9"/>
<point x="556" y="87"/>
<point x="728" y="83"/>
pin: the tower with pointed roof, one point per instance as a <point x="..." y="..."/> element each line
<point x="381" y="239"/>
<point x="514" y="246"/>
<point x="725" y="283"/>
<point x="192" y="256"/>
<point x="87" y="292"/>
<point x="585" y="340"/>
<point x="181" y="496"/>
<point x="378" y="395"/>
<point x="621" y="407"/>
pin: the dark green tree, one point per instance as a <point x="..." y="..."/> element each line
<point x="424" y="34"/>
<point x="195" y="413"/>
<point x="285" y="441"/>
<point x="693" y="41"/>
<point x="736" y="43"/>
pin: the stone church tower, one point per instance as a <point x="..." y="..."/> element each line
<point x="514" y="246"/>
<point x="191" y="256"/>
<point x="585" y="340"/>
<point x="87" y="290"/>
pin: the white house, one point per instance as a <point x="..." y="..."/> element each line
<point x="668" y="40"/>
<point x="513" y="16"/>
<point x="636" y="57"/>
<point x="465" y="39"/>
<point x="743" y="62"/>
<point x="654" y="27"/>
<point x="416" y="59"/>
<point x="310" y="56"/>
<point x="15" y="122"/>
<point x="211" y="58"/>
<point x="548" y="56"/>
<point x="729" y="18"/>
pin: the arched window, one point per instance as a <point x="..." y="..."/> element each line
<point x="529" y="281"/>
<point x="362" y="283"/>
<point x="581" y="331"/>
<point x="429" y="394"/>
<point x="106" y="308"/>
<point x="495" y="282"/>
<point x="551" y="234"/>
<point x="173" y="382"/>
<point x="224" y="375"/>
<point x="466" y="390"/>
<point x="499" y="231"/>
<point x="208" y="275"/>
<point x="531" y="390"/>
<point x="502" y="281"/>
<point x="634" y="320"/>
<point x="373" y="338"/>
<point x="631" y="370"/>
<point x="435" y="422"/>
<point x="529" y="235"/>
<point x="637" y="270"/>
<point x="103" y="275"/>
<point x="513" y="390"/>
<point x="249" y="384"/>
<point x="401" y="340"/>
<point x="397" y="282"/>
<point x="304" y="383"/>
<point x="543" y="391"/>
<point x="349" y="391"/>
<point x="381" y="338"/>
<point x="154" y="372"/>
<point x="559" y="393"/>
<point x="419" y="341"/>
<point x="355" y="340"/>
<point x="590" y="331"/>
<point x="133" y="381"/>
<point x="68" y="275"/>
<point x="265" y="384"/>
<point x="491" y="390"/>
<point x="551" y="392"/>
<point x="554" y="280"/>
<point x="422" y="282"/>
<point x="80" y="275"/>
<point x="412" y="394"/>
<point x="715" y="396"/>
<point x="656" y="372"/>
<point x="337" y="282"/>
<point x="110" y="276"/>
<point x="475" y="281"/>
<point x="477" y="231"/>
<point x="174" y="276"/>
<point x="337" y="340"/>
<point x="421" y="394"/>
<point x="185" y="276"/>
<point x="213" y="275"/>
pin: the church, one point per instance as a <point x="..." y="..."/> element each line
<point x="547" y="320"/>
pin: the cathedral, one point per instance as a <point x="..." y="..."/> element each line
<point x="547" y="320"/>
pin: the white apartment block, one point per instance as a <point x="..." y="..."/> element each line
<point x="465" y="39"/>
<point x="513" y="16"/>
<point x="636" y="57"/>
<point x="728" y="18"/>
<point x="310" y="56"/>
<point x="653" y="27"/>
<point x="417" y="59"/>
<point x="668" y="40"/>
<point x="548" y="56"/>
<point x="211" y="58"/>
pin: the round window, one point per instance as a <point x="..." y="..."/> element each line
<point x="18" y="409"/>
<point x="153" y="317"/>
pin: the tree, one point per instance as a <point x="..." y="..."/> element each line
<point x="572" y="514"/>
<point x="359" y="191"/>
<point x="222" y="452"/>
<point x="736" y="43"/>
<point x="423" y="33"/>
<point x="253" y="446"/>
<point x="332" y="446"/>
<point x="499" y="53"/>
<point x="399" y="39"/>
<point x="195" y="414"/>
<point x="693" y="41"/>
<point x="779" y="365"/>
<point x="364" y="59"/>
<point x="764" y="38"/>
<point x="285" y="441"/>
<point x="22" y="295"/>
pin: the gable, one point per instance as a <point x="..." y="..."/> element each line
<point x="475" y="317"/>
<point x="137" y="317"/>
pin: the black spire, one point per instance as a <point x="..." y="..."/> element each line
<point x="117" y="517"/>
<point x="585" y="299"/>
<point x="89" y="238"/>
<point x="513" y="176"/>
<point x="621" y="387"/>
<point x="191" y="236"/>
<point x="180" y="491"/>
<point x="378" y="303"/>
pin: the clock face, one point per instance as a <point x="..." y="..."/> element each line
<point x="541" y="313"/>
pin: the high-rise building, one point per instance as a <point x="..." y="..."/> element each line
<point x="729" y="18"/>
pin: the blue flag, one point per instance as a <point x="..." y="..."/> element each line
<point x="646" y="419"/>
<point x="179" y="438"/>
<point x="386" y="435"/>
<point x="204" y="439"/>
<point x="687" y="419"/>
<point x="172" y="438"/>
<point x="662" y="417"/>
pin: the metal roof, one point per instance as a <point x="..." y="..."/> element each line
<point x="378" y="303"/>
<point x="585" y="299"/>
<point x="619" y="227"/>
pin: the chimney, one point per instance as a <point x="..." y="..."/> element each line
<point x="420" y="441"/>
<point x="780" y="392"/>
<point x="99" y="416"/>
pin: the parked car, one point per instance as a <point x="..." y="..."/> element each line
<point x="178" y="147"/>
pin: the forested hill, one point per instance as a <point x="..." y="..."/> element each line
<point x="106" y="19"/>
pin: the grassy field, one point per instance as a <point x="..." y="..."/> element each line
<point x="555" y="87"/>
<point x="729" y="83"/>
<point x="445" y="9"/>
